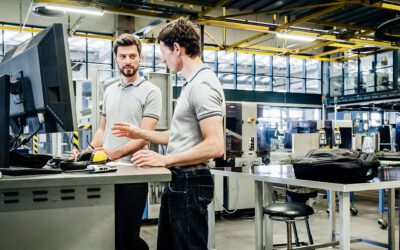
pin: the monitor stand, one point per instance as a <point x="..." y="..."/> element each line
<point x="5" y="120"/>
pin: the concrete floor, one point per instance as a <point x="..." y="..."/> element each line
<point x="232" y="234"/>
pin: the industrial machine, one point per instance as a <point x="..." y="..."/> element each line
<point x="247" y="145"/>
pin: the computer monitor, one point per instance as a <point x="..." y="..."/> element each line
<point x="37" y="86"/>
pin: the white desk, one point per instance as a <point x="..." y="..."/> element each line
<point x="265" y="176"/>
<point x="68" y="211"/>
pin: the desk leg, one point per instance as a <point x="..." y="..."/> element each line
<point x="344" y="207"/>
<point x="332" y="215"/>
<point x="392" y="219"/>
<point x="268" y="225"/>
<point x="259" y="214"/>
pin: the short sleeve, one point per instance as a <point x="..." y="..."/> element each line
<point x="153" y="105"/>
<point x="207" y="101"/>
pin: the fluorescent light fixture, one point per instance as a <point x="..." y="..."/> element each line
<point x="295" y="37"/>
<point x="89" y="11"/>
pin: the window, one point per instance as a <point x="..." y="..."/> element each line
<point x="209" y="58"/>
<point x="244" y="63"/>
<point x="297" y="85"/>
<point x="367" y="81"/>
<point x="263" y="64"/>
<point x="77" y="49"/>
<point x="147" y="55"/>
<point x="296" y="67"/>
<point x="99" y="51"/>
<point x="279" y="84"/>
<point x="384" y="71"/>
<point x="263" y="83"/>
<point x="227" y="80"/>
<point x="226" y="62"/>
<point x="245" y="82"/>
<point x="279" y="65"/>
<point x="13" y="38"/>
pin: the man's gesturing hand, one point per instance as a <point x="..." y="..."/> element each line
<point x="124" y="129"/>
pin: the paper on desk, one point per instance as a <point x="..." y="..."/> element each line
<point x="119" y="163"/>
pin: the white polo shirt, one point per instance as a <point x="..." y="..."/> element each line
<point x="202" y="96"/>
<point x="129" y="103"/>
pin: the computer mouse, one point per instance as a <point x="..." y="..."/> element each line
<point x="84" y="156"/>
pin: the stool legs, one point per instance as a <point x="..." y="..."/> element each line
<point x="289" y="234"/>
<point x="309" y="232"/>
<point x="296" y="236"/>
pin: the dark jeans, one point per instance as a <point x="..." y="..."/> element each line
<point x="183" y="217"/>
<point x="130" y="201"/>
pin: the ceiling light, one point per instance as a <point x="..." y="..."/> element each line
<point x="89" y="11"/>
<point x="295" y="37"/>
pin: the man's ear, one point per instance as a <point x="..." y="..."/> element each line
<point x="177" y="47"/>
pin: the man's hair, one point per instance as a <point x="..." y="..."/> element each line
<point x="127" y="40"/>
<point x="183" y="32"/>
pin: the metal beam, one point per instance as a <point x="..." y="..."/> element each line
<point x="315" y="46"/>
<point x="337" y="51"/>
<point x="232" y="25"/>
<point x="245" y="41"/>
<point x="266" y="48"/>
<point x="341" y="25"/>
<point x="217" y="5"/>
<point x="212" y="38"/>
<point x="382" y="5"/>
<point x="312" y="16"/>
<point x="192" y="2"/>
<point x="280" y="54"/>
<point x="278" y="10"/>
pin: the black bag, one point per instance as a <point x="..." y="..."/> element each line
<point x="337" y="165"/>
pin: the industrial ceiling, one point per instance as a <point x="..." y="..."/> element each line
<point x="339" y="30"/>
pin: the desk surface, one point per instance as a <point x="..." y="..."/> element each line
<point x="284" y="174"/>
<point x="124" y="174"/>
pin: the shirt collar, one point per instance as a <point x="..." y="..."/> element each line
<point x="135" y="83"/>
<point x="195" y="73"/>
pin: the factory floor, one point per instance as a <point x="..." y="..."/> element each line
<point x="238" y="233"/>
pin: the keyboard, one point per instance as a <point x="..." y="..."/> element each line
<point x="17" y="171"/>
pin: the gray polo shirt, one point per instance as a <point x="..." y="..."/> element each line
<point x="201" y="97"/>
<point x="129" y="103"/>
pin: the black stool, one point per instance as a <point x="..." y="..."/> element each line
<point x="289" y="213"/>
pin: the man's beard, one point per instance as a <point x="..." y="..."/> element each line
<point x="130" y="72"/>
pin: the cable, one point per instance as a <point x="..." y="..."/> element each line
<point x="236" y="201"/>
<point x="16" y="137"/>
<point x="24" y="141"/>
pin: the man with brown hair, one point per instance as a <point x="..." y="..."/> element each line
<point x="196" y="136"/>
<point x="137" y="101"/>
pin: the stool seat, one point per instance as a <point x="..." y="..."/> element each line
<point x="289" y="210"/>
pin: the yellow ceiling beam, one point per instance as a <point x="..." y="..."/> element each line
<point x="372" y="42"/>
<point x="341" y="25"/>
<point x="342" y="45"/>
<point x="315" y="46"/>
<point x="111" y="38"/>
<point x="191" y="2"/>
<point x="311" y="6"/>
<point x="230" y="47"/>
<point x="337" y="51"/>
<point x="212" y="38"/>
<point x="16" y="28"/>
<point x="382" y="5"/>
<point x="311" y="16"/>
<point x="266" y="48"/>
<point x="232" y="25"/>
<point x="279" y="54"/>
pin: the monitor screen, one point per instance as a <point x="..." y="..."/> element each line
<point x="36" y="92"/>
<point x="40" y="74"/>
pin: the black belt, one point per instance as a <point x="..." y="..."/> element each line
<point x="188" y="169"/>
